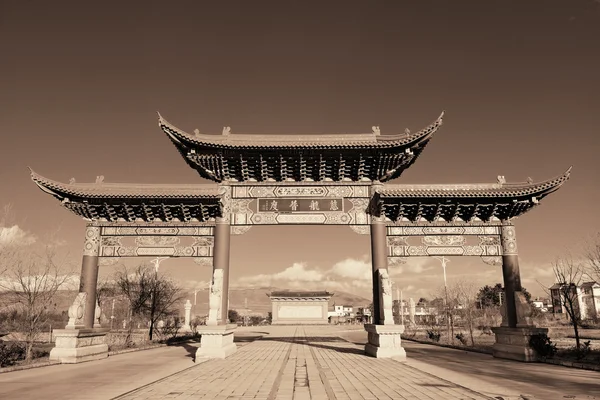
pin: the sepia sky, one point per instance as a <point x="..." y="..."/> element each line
<point x="81" y="84"/>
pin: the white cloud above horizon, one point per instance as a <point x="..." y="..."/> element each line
<point x="14" y="235"/>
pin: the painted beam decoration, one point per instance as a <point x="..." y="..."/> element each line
<point x="172" y="241"/>
<point x="422" y="241"/>
<point x="335" y="204"/>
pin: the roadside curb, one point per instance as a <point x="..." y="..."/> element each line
<point x="110" y="353"/>
<point x="563" y="363"/>
<point x="29" y="366"/>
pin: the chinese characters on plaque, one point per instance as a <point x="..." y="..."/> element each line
<point x="290" y="205"/>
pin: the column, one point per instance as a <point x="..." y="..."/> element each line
<point x="510" y="272"/>
<point x="221" y="250"/>
<point x="89" y="272"/>
<point x="378" y="261"/>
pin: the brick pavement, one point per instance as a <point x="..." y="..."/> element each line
<point x="302" y="363"/>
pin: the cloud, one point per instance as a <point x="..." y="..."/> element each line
<point x="298" y="272"/>
<point x="15" y="235"/>
<point x="352" y="268"/>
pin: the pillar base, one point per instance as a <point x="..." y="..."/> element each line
<point x="216" y="341"/>
<point x="79" y="345"/>
<point x="385" y="341"/>
<point x="513" y="343"/>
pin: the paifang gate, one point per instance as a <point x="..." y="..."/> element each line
<point x="284" y="179"/>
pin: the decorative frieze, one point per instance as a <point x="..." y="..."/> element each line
<point x="296" y="190"/>
<point x="91" y="245"/>
<point x="509" y="240"/>
<point x="157" y="230"/>
<point x="204" y="261"/>
<point x="464" y="250"/>
<point x="225" y="194"/>
<point x="413" y="230"/>
<point x="361" y="229"/>
<point x="240" y="229"/>
<point x="174" y="251"/>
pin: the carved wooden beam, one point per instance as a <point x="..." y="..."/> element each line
<point x="244" y="168"/>
<point x="341" y="168"/>
<point x="283" y="167"/>
<point x="302" y="166"/>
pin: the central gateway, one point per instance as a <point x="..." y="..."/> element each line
<point x="312" y="179"/>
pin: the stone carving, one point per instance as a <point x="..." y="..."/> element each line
<point x="443" y="230"/>
<point x="361" y="229"/>
<point x="489" y="240"/>
<point x="111" y="240"/>
<point x="523" y="310"/>
<point x="493" y="260"/>
<point x="450" y="240"/>
<point x="386" y="297"/>
<point x="225" y="193"/>
<point x="203" y="241"/>
<point x="103" y="261"/>
<point x="396" y="261"/>
<point x="509" y="240"/>
<point x="91" y="247"/>
<point x="77" y="312"/>
<point x="397" y="241"/>
<point x="204" y="261"/>
<point x="97" y="314"/>
<point x="287" y="191"/>
<point x="151" y="241"/>
<point x="216" y="294"/>
<point x="240" y="229"/>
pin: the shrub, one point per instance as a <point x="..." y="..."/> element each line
<point x="584" y="350"/>
<point x="433" y="335"/>
<point x="543" y="346"/>
<point x="11" y="353"/>
<point x="462" y="338"/>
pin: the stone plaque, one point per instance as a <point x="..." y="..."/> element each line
<point x="300" y="311"/>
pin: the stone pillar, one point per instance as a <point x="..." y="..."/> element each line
<point x="384" y="339"/>
<point x="83" y="339"/>
<point x="188" y="312"/>
<point x="216" y="339"/>
<point x="89" y="273"/>
<point x="512" y="337"/>
<point x="379" y="262"/>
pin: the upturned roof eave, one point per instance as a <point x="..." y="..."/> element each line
<point x="90" y="191"/>
<point x="486" y="190"/>
<point x="185" y="141"/>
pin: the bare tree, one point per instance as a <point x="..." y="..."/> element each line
<point x="592" y="255"/>
<point x="569" y="275"/>
<point x="31" y="282"/>
<point x="151" y="296"/>
<point x="466" y="295"/>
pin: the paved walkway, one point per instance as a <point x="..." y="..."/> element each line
<point x="302" y="363"/>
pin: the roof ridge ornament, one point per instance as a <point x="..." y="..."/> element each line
<point x="501" y="180"/>
<point x="376" y="130"/>
<point x="226" y="131"/>
<point x="71" y="181"/>
<point x="99" y="179"/>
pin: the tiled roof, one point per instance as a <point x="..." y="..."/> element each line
<point x="338" y="141"/>
<point x="124" y="190"/>
<point x="501" y="190"/>
<point x="286" y="293"/>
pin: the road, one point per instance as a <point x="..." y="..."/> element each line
<point x="484" y="373"/>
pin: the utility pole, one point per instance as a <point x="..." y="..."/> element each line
<point x="401" y="308"/>
<point x="245" y="311"/>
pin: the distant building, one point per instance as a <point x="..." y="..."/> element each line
<point x="587" y="304"/>
<point x="299" y="307"/>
